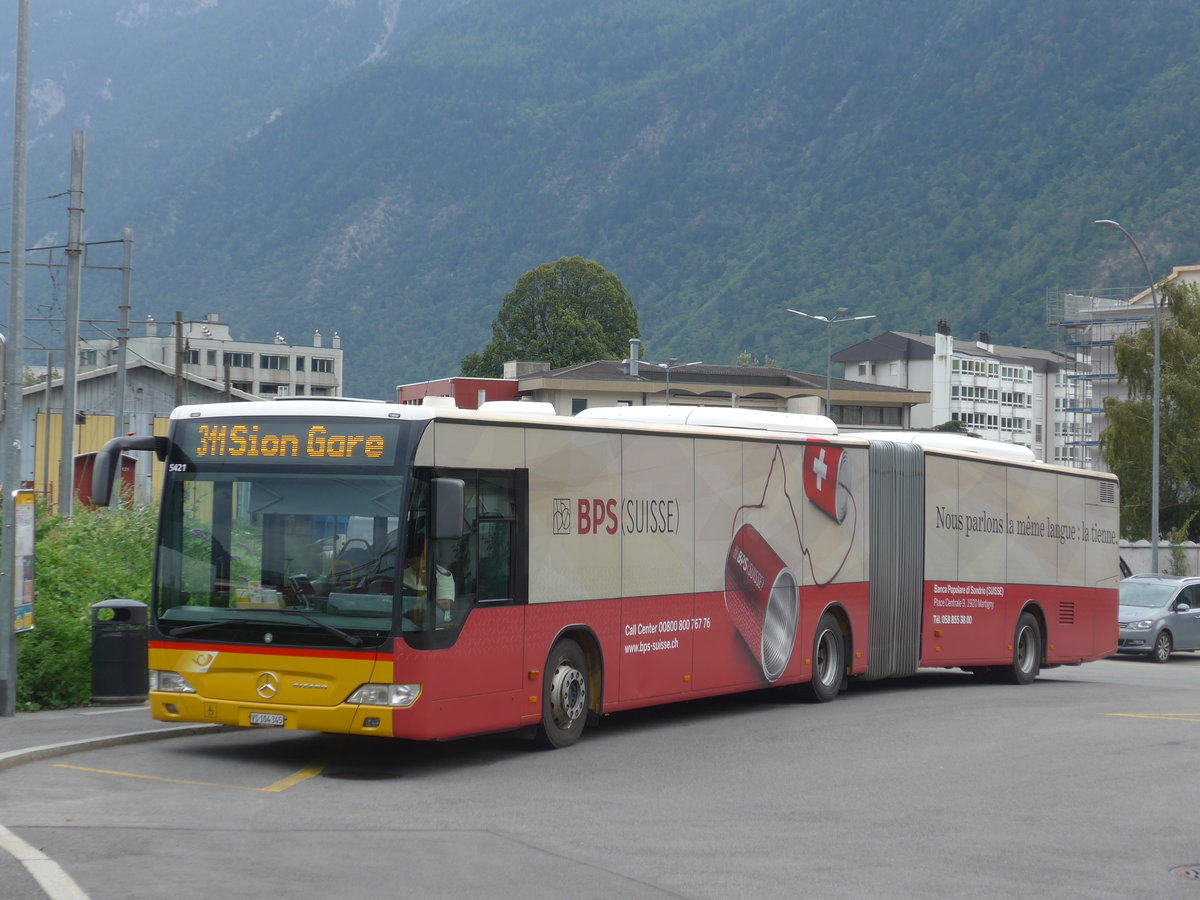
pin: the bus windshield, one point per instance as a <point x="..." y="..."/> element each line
<point x="286" y="558"/>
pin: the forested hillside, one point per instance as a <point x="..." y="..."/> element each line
<point x="388" y="170"/>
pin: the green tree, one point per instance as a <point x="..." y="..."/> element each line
<point x="98" y="554"/>
<point x="1125" y="445"/>
<point x="565" y="312"/>
<point x="746" y="358"/>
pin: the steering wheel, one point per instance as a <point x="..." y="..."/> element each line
<point x="351" y="541"/>
<point x="380" y="584"/>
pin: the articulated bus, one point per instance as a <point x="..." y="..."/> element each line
<point x="427" y="572"/>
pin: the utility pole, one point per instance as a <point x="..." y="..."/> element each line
<point x="66" y="462"/>
<point x="119" y="426"/>
<point x="14" y="367"/>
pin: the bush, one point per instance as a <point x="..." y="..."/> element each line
<point x="97" y="555"/>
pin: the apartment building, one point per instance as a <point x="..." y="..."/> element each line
<point x="1011" y="394"/>
<point x="207" y="350"/>
<point x="1090" y="321"/>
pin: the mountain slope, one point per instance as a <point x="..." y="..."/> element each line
<point x="724" y="158"/>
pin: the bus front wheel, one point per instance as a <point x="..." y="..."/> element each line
<point x="564" y="696"/>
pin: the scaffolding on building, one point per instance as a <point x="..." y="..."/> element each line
<point x="1089" y="322"/>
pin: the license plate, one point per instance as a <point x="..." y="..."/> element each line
<point x="272" y="720"/>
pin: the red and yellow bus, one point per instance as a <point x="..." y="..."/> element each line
<point x="428" y="572"/>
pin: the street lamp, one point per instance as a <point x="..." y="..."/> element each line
<point x="674" y="363"/>
<point x="1155" y="398"/>
<point x="829" y="322"/>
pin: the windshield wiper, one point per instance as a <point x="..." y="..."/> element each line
<point x="352" y="639"/>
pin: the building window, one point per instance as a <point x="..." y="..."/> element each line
<point x="267" y="387"/>
<point x="244" y="386"/>
<point x="894" y="368"/>
<point x="239" y="360"/>
<point x="210" y="357"/>
<point x="862" y="368"/>
<point x="578" y="405"/>
<point x="87" y="357"/>
<point x="267" y="361"/>
<point x="322" y="364"/>
<point x="299" y="390"/>
<point x="320" y="391"/>
<point x="191" y="357"/>
<point x="624" y="403"/>
<point x="299" y="363"/>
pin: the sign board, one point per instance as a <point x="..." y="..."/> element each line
<point x="23" y="520"/>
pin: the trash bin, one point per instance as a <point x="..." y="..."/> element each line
<point x="119" y="669"/>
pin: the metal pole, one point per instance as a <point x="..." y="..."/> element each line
<point x="829" y="368"/>
<point x="14" y="366"/>
<point x="179" y="359"/>
<point x="47" y="397"/>
<point x="1156" y="395"/>
<point x="74" y="251"/>
<point x="119" y="428"/>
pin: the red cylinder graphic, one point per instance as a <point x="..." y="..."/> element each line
<point x="762" y="596"/>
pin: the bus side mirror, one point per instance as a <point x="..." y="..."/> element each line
<point x="108" y="459"/>
<point x="447" y="506"/>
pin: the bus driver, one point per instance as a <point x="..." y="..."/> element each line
<point x="414" y="581"/>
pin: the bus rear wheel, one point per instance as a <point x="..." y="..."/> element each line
<point x="828" y="663"/>
<point x="1027" y="652"/>
<point x="565" y="696"/>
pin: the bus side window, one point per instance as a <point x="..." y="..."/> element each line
<point x="482" y="560"/>
<point x="495" y="549"/>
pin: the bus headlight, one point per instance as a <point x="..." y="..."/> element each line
<point x="386" y="695"/>
<point x="161" y="680"/>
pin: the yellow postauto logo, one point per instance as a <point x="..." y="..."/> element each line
<point x="317" y="442"/>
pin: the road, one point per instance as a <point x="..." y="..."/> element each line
<point x="1079" y="785"/>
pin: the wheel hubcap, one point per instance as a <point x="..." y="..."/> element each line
<point x="827" y="655"/>
<point x="568" y="691"/>
<point x="1025" y="650"/>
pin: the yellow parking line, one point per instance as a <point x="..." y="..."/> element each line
<point x="1169" y="717"/>
<point x="303" y="775"/>
<point x="282" y="785"/>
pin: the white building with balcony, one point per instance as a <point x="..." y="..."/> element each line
<point x="207" y="350"/>
<point x="1012" y="394"/>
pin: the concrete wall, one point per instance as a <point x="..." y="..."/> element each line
<point x="1137" y="557"/>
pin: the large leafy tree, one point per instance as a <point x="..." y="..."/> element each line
<point x="565" y="312"/>
<point x="1125" y="444"/>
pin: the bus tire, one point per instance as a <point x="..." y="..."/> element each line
<point x="828" y="663"/>
<point x="565" y="696"/>
<point x="1027" y="652"/>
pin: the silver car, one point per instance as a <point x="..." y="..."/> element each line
<point x="1158" y="614"/>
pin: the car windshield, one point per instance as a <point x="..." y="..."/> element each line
<point x="1147" y="594"/>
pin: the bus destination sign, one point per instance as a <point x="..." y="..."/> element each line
<point x="356" y="443"/>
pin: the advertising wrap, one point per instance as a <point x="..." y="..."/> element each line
<point x="762" y="596"/>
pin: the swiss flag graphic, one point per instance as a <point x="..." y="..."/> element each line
<point x="822" y="468"/>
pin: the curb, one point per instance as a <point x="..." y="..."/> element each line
<point x="11" y="758"/>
